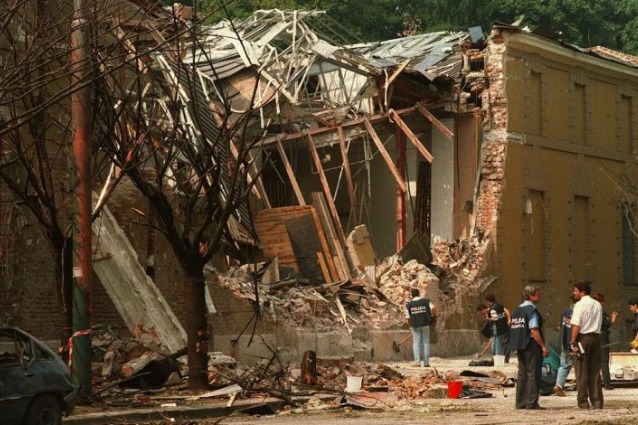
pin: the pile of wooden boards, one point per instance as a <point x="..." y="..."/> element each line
<point x="304" y="238"/>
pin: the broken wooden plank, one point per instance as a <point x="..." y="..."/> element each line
<point x="326" y="189"/>
<point x="337" y="249"/>
<point x="434" y="120"/>
<point x="324" y="267"/>
<point x="386" y="156"/>
<point x="273" y="235"/>
<point x="303" y="232"/>
<point x="348" y="173"/>
<point x="396" y="73"/>
<point x="291" y="174"/>
<point x="257" y="188"/>
<point x="415" y="140"/>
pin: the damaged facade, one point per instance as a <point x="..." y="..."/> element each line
<point x="495" y="153"/>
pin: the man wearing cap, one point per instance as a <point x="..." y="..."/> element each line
<point x="526" y="337"/>
<point x="587" y="321"/>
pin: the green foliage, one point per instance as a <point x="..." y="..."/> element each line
<point x="610" y="23"/>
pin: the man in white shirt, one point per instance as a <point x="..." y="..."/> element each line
<point x="586" y="323"/>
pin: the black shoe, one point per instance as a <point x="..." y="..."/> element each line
<point x="609" y="387"/>
<point x="536" y="407"/>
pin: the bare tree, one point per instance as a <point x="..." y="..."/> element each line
<point x="171" y="133"/>
<point x="36" y="171"/>
<point x="35" y="128"/>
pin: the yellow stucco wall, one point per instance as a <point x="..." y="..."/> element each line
<point x="571" y="121"/>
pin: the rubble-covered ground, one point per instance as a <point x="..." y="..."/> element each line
<point x="375" y="405"/>
<point x="131" y="372"/>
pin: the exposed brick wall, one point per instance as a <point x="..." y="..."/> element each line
<point x="494" y="147"/>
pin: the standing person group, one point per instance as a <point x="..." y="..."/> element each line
<point x="581" y="326"/>
<point x="420" y="313"/>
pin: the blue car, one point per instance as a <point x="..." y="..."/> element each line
<point x="35" y="384"/>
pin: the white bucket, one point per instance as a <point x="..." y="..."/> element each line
<point x="353" y="384"/>
<point x="499" y="361"/>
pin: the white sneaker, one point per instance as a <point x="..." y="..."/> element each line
<point x="422" y="363"/>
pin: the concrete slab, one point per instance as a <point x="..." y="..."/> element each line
<point x="241" y="351"/>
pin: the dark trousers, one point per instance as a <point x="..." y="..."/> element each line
<point x="530" y="363"/>
<point x="588" y="372"/>
<point x="604" y="364"/>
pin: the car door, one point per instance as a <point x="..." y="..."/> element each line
<point x="17" y="380"/>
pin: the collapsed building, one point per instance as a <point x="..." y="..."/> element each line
<point x="490" y="160"/>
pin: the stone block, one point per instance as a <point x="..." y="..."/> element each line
<point x="364" y="355"/>
<point x="241" y="351"/>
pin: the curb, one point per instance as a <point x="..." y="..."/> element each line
<point x="180" y="412"/>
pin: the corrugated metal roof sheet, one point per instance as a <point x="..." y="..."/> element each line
<point x="433" y="54"/>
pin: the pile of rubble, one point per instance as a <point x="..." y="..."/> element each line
<point x="461" y="260"/>
<point x="329" y="306"/>
<point x="377" y="298"/>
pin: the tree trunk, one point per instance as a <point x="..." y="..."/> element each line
<point x="63" y="270"/>
<point x="196" y="327"/>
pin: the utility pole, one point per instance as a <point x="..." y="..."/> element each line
<point x="80" y="353"/>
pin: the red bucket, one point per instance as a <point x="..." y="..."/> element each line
<point x="454" y="389"/>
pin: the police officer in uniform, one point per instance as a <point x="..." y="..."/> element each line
<point x="421" y="312"/>
<point x="526" y="337"/>
<point x="500" y="328"/>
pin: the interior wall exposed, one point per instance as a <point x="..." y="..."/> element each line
<point x="443" y="180"/>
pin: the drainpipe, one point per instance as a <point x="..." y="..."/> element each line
<point x="80" y="348"/>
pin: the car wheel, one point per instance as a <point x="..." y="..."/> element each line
<point x="44" y="410"/>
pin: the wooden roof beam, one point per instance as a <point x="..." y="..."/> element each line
<point x="326" y="189"/>
<point x="415" y="140"/>
<point x="291" y="174"/>
<point x="435" y="122"/>
<point x="348" y="173"/>
<point x="386" y="156"/>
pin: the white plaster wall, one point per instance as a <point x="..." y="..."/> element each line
<point x="442" y="185"/>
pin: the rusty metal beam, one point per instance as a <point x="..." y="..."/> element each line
<point x="386" y="156"/>
<point x="415" y="140"/>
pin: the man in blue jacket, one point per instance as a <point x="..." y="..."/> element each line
<point x="526" y="337"/>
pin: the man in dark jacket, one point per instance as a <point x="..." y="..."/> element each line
<point x="605" y="342"/>
<point x="421" y="313"/>
<point x="500" y="326"/>
<point x="566" y="359"/>
<point x="526" y="337"/>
